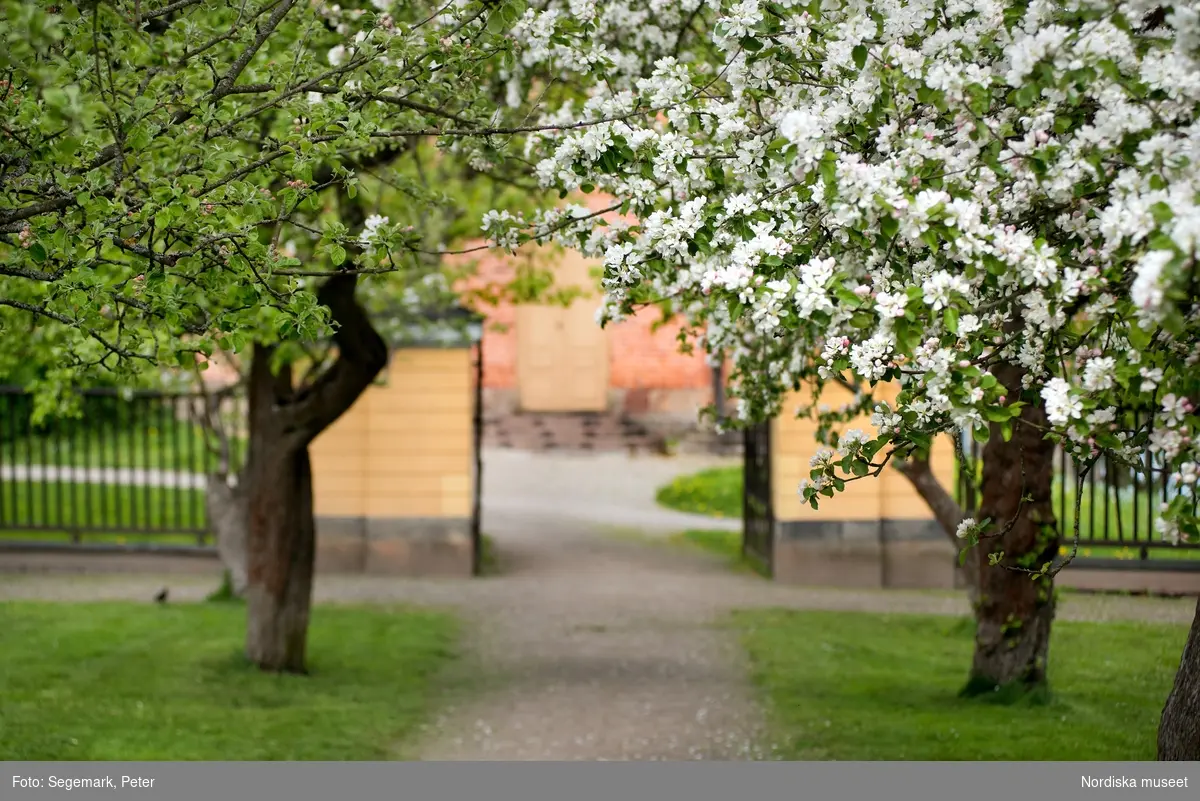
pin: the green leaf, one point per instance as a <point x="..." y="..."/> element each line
<point x="890" y="226"/>
<point x="997" y="414"/>
<point x="950" y="317"/>
<point x="337" y="255"/>
<point x="860" y="56"/>
<point x="1027" y="95"/>
<point x="37" y="252"/>
<point x="1162" y="213"/>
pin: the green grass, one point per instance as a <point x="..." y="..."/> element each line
<point x="853" y="686"/>
<point x="118" y="681"/>
<point x="175" y="445"/>
<point x="716" y="492"/>
<point x="119" y="510"/>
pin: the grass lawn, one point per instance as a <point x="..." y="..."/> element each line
<point x="854" y="686"/>
<point x="119" y="681"/>
<point x="717" y="492"/>
<point x="118" y="510"/>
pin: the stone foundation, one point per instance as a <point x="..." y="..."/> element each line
<point x="42" y="558"/>
<point x="414" y="547"/>
<point x="409" y="547"/>
<point x="870" y="554"/>
<point x="1082" y="576"/>
<point x="667" y="412"/>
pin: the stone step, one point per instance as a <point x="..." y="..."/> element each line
<point x="578" y="431"/>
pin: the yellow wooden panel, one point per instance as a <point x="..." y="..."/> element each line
<point x="430" y="357"/>
<point x="793" y="443"/>
<point x="404" y="463"/>
<point x="888" y="495"/>
<point x="562" y="358"/>
<point x="341" y="482"/>
<point x="404" y="483"/>
<point x="906" y="507"/>
<point x="426" y="420"/>
<point x="408" y="445"/>
<point x="434" y="442"/>
<point x="457" y="505"/>
<point x="409" y="363"/>
<point x="456" y="484"/>
<point x="339" y="460"/>
<point x="859" y="501"/>
<point x="404" y="506"/>
<point x="334" y="504"/>
<point x="453" y="382"/>
<point x="419" y="400"/>
<point x="402" y="447"/>
<point x="901" y="501"/>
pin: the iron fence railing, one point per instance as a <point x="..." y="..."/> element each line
<point x="758" y="519"/>
<point x="131" y="468"/>
<point x="1117" y="508"/>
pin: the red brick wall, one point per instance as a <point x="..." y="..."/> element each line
<point x="639" y="358"/>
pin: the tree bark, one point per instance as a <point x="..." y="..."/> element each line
<point x="1014" y="613"/>
<point x="224" y="499"/>
<point x="1179" y="729"/>
<point x="281" y="546"/>
<point x="228" y="517"/>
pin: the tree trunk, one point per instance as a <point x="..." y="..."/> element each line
<point x="281" y="546"/>
<point x="283" y="533"/>
<point x="1013" y="613"/>
<point x="228" y="517"/>
<point x="1179" y="729"/>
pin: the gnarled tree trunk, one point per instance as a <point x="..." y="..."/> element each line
<point x="1014" y="613"/>
<point x="224" y="498"/>
<point x="281" y="546"/>
<point x="228" y="516"/>
<point x="1179" y="729"/>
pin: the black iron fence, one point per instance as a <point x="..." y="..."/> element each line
<point x="758" y="518"/>
<point x="131" y="469"/>
<point x="1117" y="507"/>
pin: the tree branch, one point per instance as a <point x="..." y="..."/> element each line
<point x="225" y="85"/>
<point x="42" y="311"/>
<point x="362" y="354"/>
<point x="945" y="509"/>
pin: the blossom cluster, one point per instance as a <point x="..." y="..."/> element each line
<point x="912" y="192"/>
